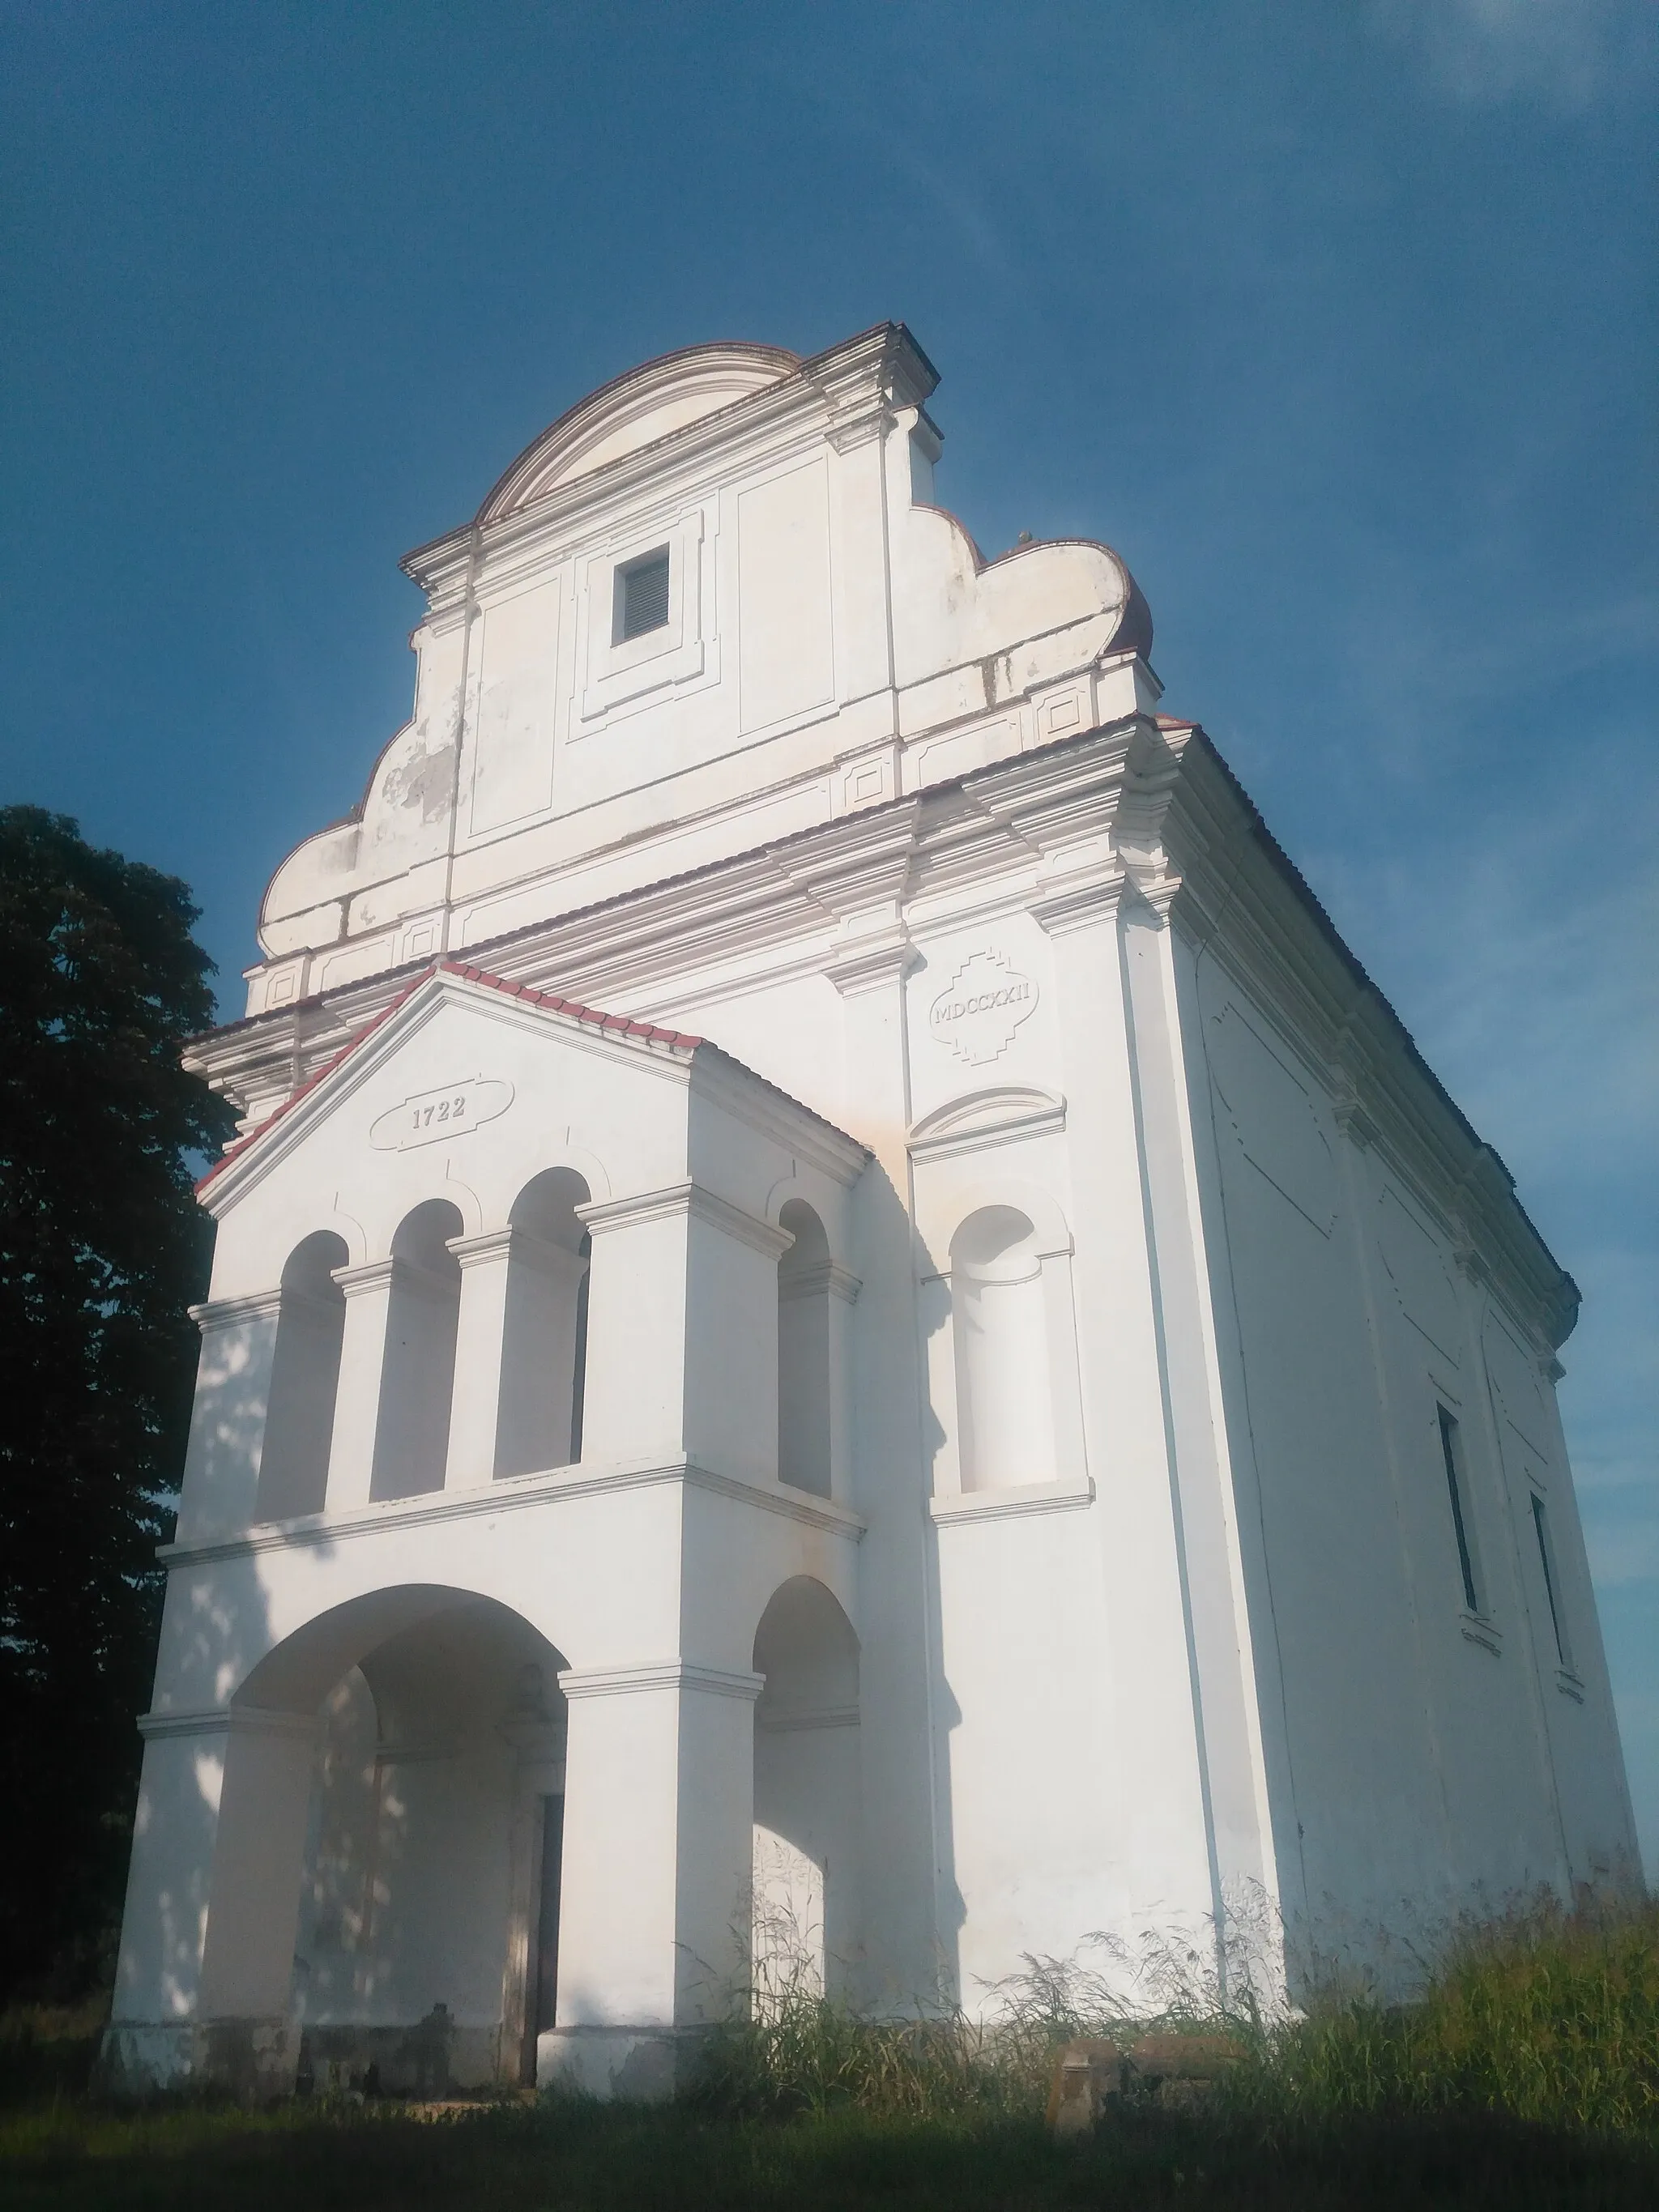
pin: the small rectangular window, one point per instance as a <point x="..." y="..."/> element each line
<point x="1451" y="1451"/>
<point x="641" y="597"/>
<point x="1547" y="1560"/>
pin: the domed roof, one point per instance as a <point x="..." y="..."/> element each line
<point x="634" y="411"/>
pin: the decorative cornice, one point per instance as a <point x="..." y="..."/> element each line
<point x="1006" y="1504"/>
<point x="513" y="1493"/>
<point x="882" y="964"/>
<point x="691" y="1200"/>
<point x="372" y="1277"/>
<point x="780" y="1721"/>
<point x="230" y="1313"/>
<point x="825" y="1276"/>
<point x="680" y="1674"/>
<point x="492" y="1247"/>
<point x="1243" y="901"/>
<point x="229" y="1720"/>
<point x="1089" y="906"/>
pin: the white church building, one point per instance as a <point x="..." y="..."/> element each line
<point x="842" y="1333"/>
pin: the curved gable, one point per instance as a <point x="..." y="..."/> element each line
<point x="634" y="411"/>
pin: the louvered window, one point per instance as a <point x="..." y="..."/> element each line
<point x="641" y="597"/>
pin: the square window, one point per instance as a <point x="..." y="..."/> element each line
<point x="642" y="601"/>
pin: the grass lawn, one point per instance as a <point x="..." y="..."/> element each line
<point x="1526" y="2075"/>
<point x="571" y="2157"/>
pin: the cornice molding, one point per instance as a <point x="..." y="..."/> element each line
<point x="690" y="1200"/>
<point x="513" y="1493"/>
<point x="825" y="1277"/>
<point x="1241" y="902"/>
<point x="229" y="1720"/>
<point x="215" y="1313"/>
<point x="972" y="1505"/>
<point x="681" y="1674"/>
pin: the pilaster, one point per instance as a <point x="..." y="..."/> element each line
<point x="357" y="1404"/>
<point x="228" y="1421"/>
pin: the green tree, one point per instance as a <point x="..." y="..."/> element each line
<point x="101" y="1249"/>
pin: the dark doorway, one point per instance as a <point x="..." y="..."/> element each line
<point x="547" y="1915"/>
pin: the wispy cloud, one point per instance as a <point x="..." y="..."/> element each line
<point x="1567" y="54"/>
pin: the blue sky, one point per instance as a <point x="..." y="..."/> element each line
<point x="1339" y="321"/>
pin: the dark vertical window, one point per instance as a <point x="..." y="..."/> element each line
<point x="578" y="1381"/>
<point x="1451" y="1452"/>
<point x="641" y="597"/>
<point x="1540" y="1523"/>
<point x="547" y="1916"/>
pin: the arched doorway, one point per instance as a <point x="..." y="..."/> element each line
<point x="425" y="1946"/>
<point x="807" y="1810"/>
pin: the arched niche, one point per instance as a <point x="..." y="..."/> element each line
<point x="805" y="1274"/>
<point x="418" y="1372"/>
<point x="305" y="1380"/>
<point x="544" y="1339"/>
<point x="807" y="1807"/>
<point x="1016" y="1410"/>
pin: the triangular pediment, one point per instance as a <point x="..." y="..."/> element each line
<point x="429" y="1112"/>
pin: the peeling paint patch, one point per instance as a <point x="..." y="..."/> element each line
<point x="423" y="780"/>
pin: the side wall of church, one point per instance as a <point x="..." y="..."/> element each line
<point x="1436" y="1714"/>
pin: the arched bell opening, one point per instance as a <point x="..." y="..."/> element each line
<point x="807" y="1808"/>
<point x="418" y="1373"/>
<point x="803" y="1351"/>
<point x="304" y="1382"/>
<point x="544" y="1341"/>
<point x="426" y="1944"/>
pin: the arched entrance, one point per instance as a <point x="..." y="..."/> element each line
<point x="425" y="1943"/>
<point x="807" y="1811"/>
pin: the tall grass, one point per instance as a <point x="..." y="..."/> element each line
<point x="1545" y="2014"/>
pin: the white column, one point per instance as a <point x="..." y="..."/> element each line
<point x="480" y="1333"/>
<point x="357" y="1404"/>
<point x="658" y="1862"/>
<point x="203" y="1984"/>
<point x="227" y="1423"/>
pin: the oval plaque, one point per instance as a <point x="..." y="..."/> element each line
<point x="429" y="1116"/>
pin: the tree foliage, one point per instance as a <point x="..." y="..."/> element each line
<point x="101" y="1249"/>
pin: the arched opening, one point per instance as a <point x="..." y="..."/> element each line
<point x="418" y="1375"/>
<point x="1004" y="1397"/>
<point x="544" y="1342"/>
<point x="305" y="1380"/>
<point x="804" y="1360"/>
<point x="426" y="1945"/>
<point x="807" y="1815"/>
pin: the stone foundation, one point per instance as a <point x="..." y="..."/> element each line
<point x="636" y="2065"/>
<point x="254" y="2060"/>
